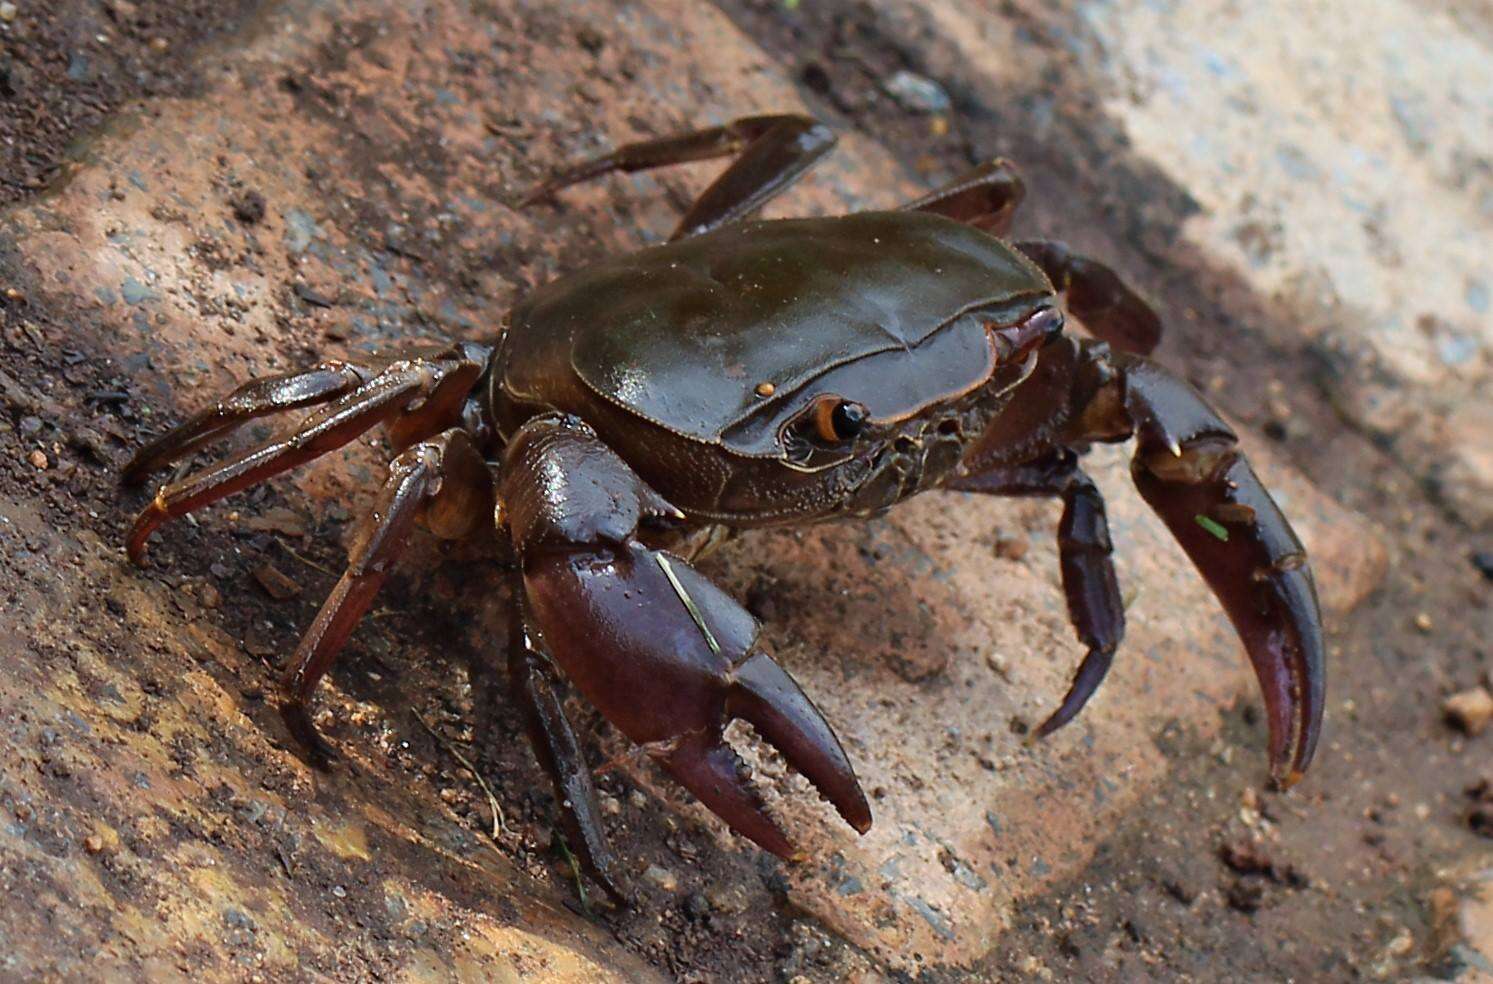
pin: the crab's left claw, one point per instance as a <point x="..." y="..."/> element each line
<point x="1190" y="470"/>
<point x="664" y="654"/>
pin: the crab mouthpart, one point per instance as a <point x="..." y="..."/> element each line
<point x="1015" y="342"/>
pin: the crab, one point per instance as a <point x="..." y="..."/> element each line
<point x="748" y="374"/>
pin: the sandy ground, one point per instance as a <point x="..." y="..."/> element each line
<point x="1309" y="207"/>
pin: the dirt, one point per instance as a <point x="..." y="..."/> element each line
<point x="67" y="65"/>
<point x="1317" y="885"/>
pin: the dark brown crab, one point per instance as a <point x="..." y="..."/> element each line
<point x="753" y="374"/>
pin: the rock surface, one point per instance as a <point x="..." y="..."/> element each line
<point x="346" y="184"/>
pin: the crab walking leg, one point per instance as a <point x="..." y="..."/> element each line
<point x="985" y="197"/>
<point x="1084" y="554"/>
<point x="422" y="479"/>
<point x="256" y="398"/>
<point x="662" y="652"/>
<point x="1098" y="297"/>
<point x="1189" y="469"/>
<point x="773" y="152"/>
<point x="399" y="389"/>
<point x="534" y="690"/>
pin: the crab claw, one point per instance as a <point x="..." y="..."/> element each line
<point x="665" y="655"/>
<point x="670" y="659"/>
<point x="1189" y="469"/>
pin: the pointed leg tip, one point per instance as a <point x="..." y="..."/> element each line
<point x="150" y="518"/>
<point x="1041" y="731"/>
<point x="318" y="753"/>
<point x="1285" y="780"/>
<point x="1055" y="722"/>
<point x="539" y="193"/>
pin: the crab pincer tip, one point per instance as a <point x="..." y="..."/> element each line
<point x="150" y="517"/>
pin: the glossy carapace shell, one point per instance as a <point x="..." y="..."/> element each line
<point x="720" y="339"/>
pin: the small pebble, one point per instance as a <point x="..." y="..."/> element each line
<point x="662" y="877"/>
<point x="917" y="93"/>
<point x="93" y="843"/>
<point x="248" y="207"/>
<point x="1423" y="622"/>
<point x="1470" y="710"/>
<point x="696" y="906"/>
<point x="8" y="12"/>
<point x="276" y="583"/>
<point x="610" y="806"/>
<point x="1012" y="547"/>
<point x="38" y="459"/>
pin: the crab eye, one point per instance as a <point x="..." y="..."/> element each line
<point x="838" y="420"/>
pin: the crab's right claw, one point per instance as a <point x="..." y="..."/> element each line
<point x="670" y="659"/>
<point x="1189" y="469"/>
<point x="665" y="655"/>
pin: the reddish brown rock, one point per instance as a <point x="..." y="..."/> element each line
<point x="389" y="175"/>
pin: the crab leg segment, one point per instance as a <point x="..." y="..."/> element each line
<point x="662" y="652"/>
<point x="1094" y="604"/>
<point x="771" y="153"/>
<point x="410" y="389"/>
<point x="435" y="480"/>
<point x="256" y="398"/>
<point x="537" y="694"/>
<point x="1097" y="296"/>
<point x="985" y="197"/>
<point x="1188" y="467"/>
